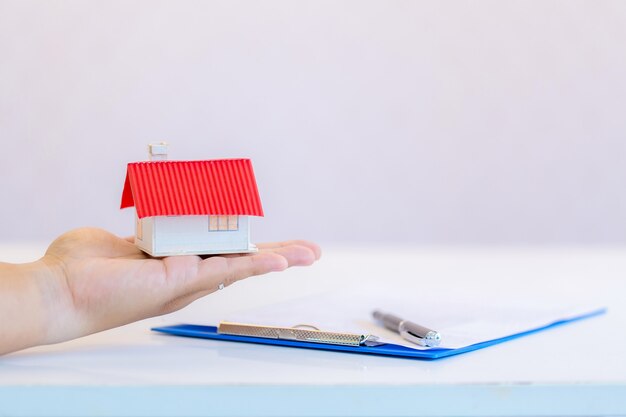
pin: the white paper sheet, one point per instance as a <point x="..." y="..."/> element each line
<point x="462" y="320"/>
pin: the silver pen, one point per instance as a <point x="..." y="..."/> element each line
<point x="408" y="330"/>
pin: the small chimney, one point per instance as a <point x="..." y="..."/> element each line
<point x="158" y="151"/>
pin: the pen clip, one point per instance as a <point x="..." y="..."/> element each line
<point x="430" y="339"/>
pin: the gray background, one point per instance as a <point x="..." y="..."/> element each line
<point x="477" y="122"/>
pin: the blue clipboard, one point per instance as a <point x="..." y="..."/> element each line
<point x="210" y="332"/>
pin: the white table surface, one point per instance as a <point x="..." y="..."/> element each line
<point x="574" y="370"/>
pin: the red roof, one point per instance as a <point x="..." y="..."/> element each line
<point x="175" y="188"/>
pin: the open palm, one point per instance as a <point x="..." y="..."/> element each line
<point x="103" y="281"/>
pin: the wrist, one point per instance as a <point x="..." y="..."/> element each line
<point x="22" y="315"/>
<point x="58" y="318"/>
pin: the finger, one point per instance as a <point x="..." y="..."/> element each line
<point x="295" y="255"/>
<point x="220" y="270"/>
<point x="130" y="239"/>
<point x="226" y="270"/>
<point x="312" y="246"/>
<point x="273" y="246"/>
<point x="217" y="271"/>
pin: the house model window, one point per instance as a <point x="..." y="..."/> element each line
<point x="222" y="223"/>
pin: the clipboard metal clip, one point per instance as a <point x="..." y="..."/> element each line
<point x="300" y="333"/>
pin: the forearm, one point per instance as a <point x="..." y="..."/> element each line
<point x="22" y="312"/>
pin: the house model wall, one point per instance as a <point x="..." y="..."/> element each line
<point x="191" y="235"/>
<point x="192" y="207"/>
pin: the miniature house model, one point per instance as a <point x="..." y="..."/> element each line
<point x="191" y="207"/>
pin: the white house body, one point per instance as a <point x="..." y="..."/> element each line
<point x="193" y="235"/>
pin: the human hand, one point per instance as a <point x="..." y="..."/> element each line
<point x="90" y="280"/>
